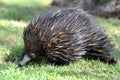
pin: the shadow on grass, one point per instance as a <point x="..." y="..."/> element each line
<point x="19" y="12"/>
<point x="15" y="53"/>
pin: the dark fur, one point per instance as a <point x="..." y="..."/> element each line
<point x="67" y="35"/>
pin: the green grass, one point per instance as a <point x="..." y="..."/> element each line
<point x="15" y="15"/>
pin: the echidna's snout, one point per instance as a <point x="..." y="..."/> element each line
<point x="24" y="60"/>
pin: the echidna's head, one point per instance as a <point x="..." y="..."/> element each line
<point x="29" y="53"/>
<point x="30" y="47"/>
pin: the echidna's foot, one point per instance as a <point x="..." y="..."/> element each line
<point x="102" y="58"/>
<point x="19" y="65"/>
<point x="112" y="61"/>
<point x="108" y="60"/>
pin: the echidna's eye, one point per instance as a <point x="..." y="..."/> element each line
<point x="32" y="55"/>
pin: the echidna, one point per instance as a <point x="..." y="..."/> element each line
<point x="66" y="35"/>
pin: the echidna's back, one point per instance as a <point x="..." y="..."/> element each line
<point x="67" y="35"/>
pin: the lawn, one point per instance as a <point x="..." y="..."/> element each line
<point x="15" y="15"/>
